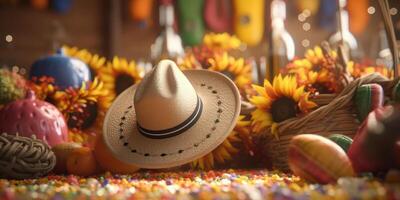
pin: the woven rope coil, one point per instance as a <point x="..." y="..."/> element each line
<point x="337" y="117"/>
<point x="23" y="157"/>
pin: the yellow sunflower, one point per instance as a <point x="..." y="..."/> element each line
<point x="225" y="151"/>
<point x="189" y="61"/>
<point x="119" y="75"/>
<point x="316" y="57"/>
<point x="236" y="69"/>
<point x="94" y="61"/>
<point x="221" y="41"/>
<point x="280" y="101"/>
<point x="213" y="43"/>
<point x="316" y="83"/>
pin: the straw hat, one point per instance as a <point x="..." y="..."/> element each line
<point x="171" y="117"/>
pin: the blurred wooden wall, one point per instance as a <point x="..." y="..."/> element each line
<point x="34" y="31"/>
<point x="87" y="25"/>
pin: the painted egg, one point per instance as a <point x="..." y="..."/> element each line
<point x="31" y="116"/>
<point x="368" y="97"/>
<point x="66" y="71"/>
<point x="318" y="159"/>
<point x="24" y="157"/>
<point x="343" y="141"/>
<point x="374" y="144"/>
<point x="62" y="152"/>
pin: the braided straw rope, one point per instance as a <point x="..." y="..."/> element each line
<point x="23" y="157"/>
<point x="337" y="117"/>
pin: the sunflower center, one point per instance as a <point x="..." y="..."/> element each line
<point x="283" y="109"/>
<point x="84" y="119"/>
<point x="229" y="74"/>
<point x="123" y="81"/>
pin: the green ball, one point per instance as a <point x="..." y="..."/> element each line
<point x="343" y="141"/>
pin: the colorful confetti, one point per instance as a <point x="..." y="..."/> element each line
<point x="226" y="184"/>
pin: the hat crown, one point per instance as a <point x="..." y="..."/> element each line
<point x="165" y="98"/>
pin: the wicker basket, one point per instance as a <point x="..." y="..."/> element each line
<point x="337" y="117"/>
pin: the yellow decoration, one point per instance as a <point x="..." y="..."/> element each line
<point x="249" y="20"/>
<point x="278" y="101"/>
<point x="311" y="5"/>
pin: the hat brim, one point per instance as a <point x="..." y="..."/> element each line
<point x="221" y="108"/>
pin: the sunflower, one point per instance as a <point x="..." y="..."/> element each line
<point x="213" y="44"/>
<point x="189" y="61"/>
<point x="317" y="82"/>
<point x="315" y="61"/>
<point x="280" y="101"/>
<point x="317" y="71"/>
<point x="230" y="146"/>
<point x="236" y="69"/>
<point x="221" y="42"/>
<point x="119" y="75"/>
<point x="94" y="61"/>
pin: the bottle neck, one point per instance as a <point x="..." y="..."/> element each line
<point x="278" y="25"/>
<point x="344" y="15"/>
<point x="166" y="15"/>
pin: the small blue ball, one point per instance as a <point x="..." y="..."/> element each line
<point x="66" y="71"/>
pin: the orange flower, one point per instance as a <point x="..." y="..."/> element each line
<point x="316" y="71"/>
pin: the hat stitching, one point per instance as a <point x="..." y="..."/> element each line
<point x="213" y="128"/>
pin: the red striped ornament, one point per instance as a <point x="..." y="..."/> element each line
<point x="318" y="159"/>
